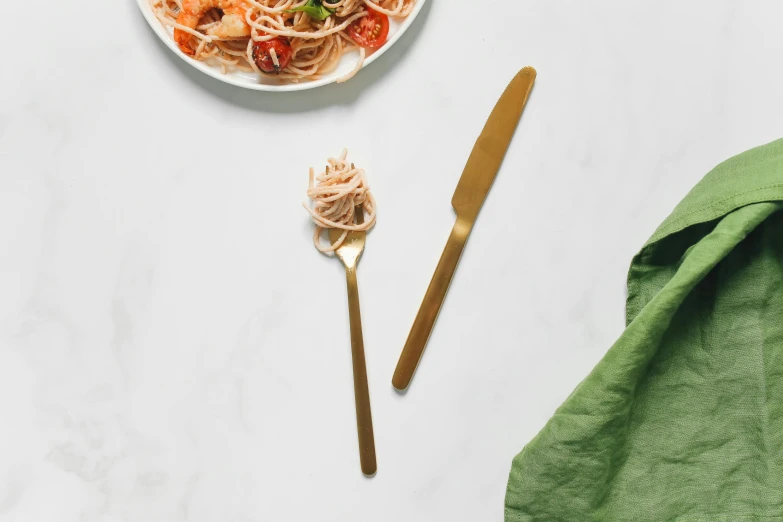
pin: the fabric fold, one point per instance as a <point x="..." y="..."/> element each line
<point x="683" y="417"/>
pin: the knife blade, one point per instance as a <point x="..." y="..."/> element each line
<point x="474" y="184"/>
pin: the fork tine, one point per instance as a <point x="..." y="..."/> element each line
<point x="335" y="235"/>
<point x="359" y="217"/>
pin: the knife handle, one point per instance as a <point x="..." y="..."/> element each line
<point x="433" y="300"/>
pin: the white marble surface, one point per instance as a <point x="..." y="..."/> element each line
<point x="164" y="353"/>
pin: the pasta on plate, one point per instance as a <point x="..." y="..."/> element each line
<point x="289" y="40"/>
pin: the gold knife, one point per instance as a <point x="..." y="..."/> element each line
<point x="476" y="180"/>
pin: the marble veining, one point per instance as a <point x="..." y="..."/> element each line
<point x="172" y="348"/>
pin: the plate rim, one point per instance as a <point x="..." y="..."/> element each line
<point x="163" y="34"/>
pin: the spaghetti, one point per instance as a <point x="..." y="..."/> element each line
<point x="289" y="40"/>
<point x="340" y="189"/>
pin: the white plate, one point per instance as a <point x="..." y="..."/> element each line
<point x="250" y="80"/>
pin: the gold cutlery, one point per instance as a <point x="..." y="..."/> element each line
<point x="349" y="253"/>
<point x="476" y="180"/>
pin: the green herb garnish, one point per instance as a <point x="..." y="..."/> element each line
<point x="315" y="9"/>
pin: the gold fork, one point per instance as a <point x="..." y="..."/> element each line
<point x="349" y="253"/>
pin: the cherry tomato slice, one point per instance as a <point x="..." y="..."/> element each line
<point x="370" y="31"/>
<point x="262" y="54"/>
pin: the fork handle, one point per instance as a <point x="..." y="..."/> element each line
<point x="361" y="388"/>
<point x="430" y="307"/>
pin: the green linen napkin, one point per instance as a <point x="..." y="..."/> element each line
<point x="682" y="420"/>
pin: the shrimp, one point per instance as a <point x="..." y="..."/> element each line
<point x="232" y="25"/>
